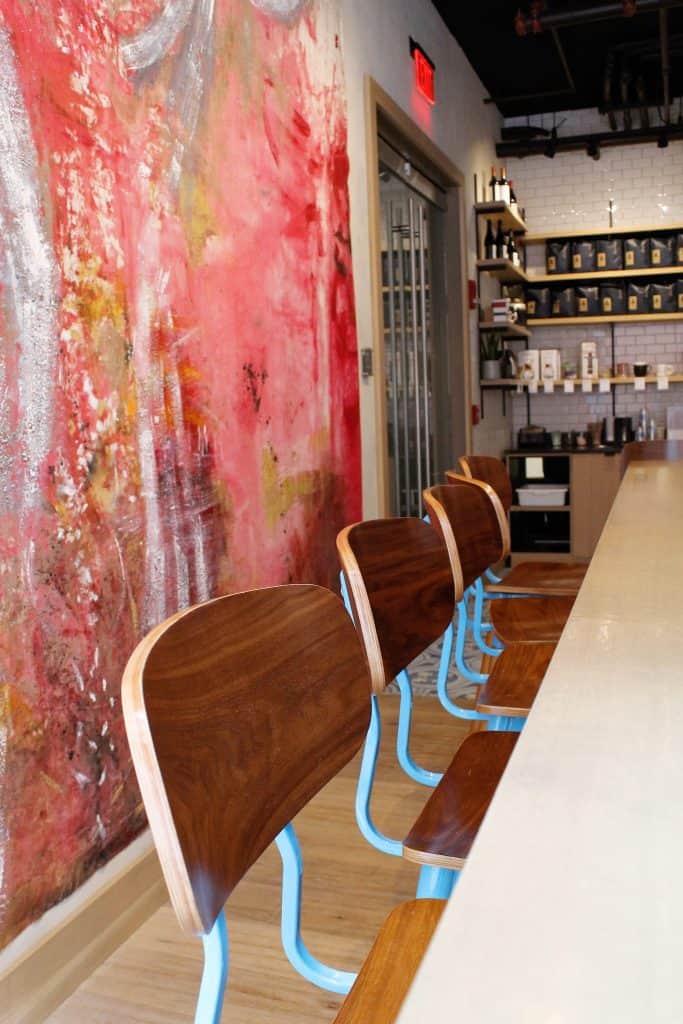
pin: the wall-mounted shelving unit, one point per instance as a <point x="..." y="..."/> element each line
<point x="503" y="270"/>
<point x="605" y="275"/>
<point x="516" y="383"/>
<point x="508" y="215"/>
<point x="506" y="273"/>
<point x="615" y="318"/>
<point x="508" y="329"/>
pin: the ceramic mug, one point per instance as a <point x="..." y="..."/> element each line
<point x="623" y="369"/>
<point x="640" y="369"/>
<point x="664" y="369"/>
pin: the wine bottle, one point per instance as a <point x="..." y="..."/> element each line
<point x="503" y="187"/>
<point x="501" y="248"/>
<point x="513" y="197"/>
<point x="513" y="252"/>
<point x="493" y="185"/>
<point x="489" y="242"/>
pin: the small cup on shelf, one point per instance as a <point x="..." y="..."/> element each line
<point x="640" y="369"/>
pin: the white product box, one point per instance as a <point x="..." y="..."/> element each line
<point x="529" y="364"/>
<point x="589" y="360"/>
<point x="550" y="364"/>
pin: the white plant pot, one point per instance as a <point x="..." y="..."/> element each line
<point x="490" y="369"/>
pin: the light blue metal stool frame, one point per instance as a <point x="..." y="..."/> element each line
<point x="216" y="946"/>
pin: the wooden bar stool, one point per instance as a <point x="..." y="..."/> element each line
<point x="238" y="712"/>
<point x="516" y="673"/>
<point x="403" y="597"/>
<point x="474" y="537"/>
<point x="542" y="579"/>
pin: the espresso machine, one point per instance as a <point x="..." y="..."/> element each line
<point x="617" y="430"/>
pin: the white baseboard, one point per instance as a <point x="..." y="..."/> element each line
<point x="50" y="959"/>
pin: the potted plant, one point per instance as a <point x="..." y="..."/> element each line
<point x="491" y="351"/>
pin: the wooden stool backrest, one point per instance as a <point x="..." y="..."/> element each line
<point x="647" y="451"/>
<point x="401" y="588"/>
<point x="501" y="515"/>
<point x="492" y="471"/>
<point x="238" y="711"/>
<point x="466" y="519"/>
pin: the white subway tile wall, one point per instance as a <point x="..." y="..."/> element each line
<point x="572" y="192"/>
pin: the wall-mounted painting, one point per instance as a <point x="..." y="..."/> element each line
<point x="178" y="379"/>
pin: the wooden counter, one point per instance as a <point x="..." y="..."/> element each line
<point x="570" y="909"/>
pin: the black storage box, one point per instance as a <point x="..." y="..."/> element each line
<point x="587" y="300"/>
<point x="662" y="251"/>
<point x="563" y="302"/>
<point x="557" y="257"/>
<point x="583" y="255"/>
<point x="679" y="296"/>
<point x="636" y="253"/>
<point x="638" y="298"/>
<point x="663" y="298"/>
<point x="537" y="302"/>
<point x="609" y="254"/>
<point x="612" y="299"/>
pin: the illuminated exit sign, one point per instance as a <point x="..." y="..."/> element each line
<point x="424" y="72"/>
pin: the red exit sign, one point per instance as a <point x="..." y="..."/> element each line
<point x="424" y="72"/>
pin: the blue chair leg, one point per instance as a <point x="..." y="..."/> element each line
<point x="413" y="770"/>
<point x="366" y="779"/>
<point x="461" y="632"/>
<point x="214" y="975"/>
<point x="435" y="883"/>
<point x="297" y="953"/>
<point x="478" y="625"/>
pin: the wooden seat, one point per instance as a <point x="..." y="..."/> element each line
<point x="515" y="677"/>
<point x="467" y="520"/>
<point x="238" y="712"/>
<point x="551" y="579"/>
<point x="390" y="967"/>
<point x="530" y="620"/>
<point x="445" y="830"/>
<point x="403" y="592"/>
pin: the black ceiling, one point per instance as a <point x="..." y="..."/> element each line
<point x="526" y="75"/>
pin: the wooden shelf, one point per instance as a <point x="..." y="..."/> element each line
<point x="509" y="215"/>
<point x="507" y="382"/>
<point x="641" y="229"/>
<point x="505" y="271"/>
<point x="604" y="275"/>
<point x="509" y="329"/>
<point x="619" y="318"/>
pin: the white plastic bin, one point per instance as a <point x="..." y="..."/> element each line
<point x="542" y="494"/>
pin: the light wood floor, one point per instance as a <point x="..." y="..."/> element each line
<point x="348" y="890"/>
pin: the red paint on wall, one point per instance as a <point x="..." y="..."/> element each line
<point x="203" y="406"/>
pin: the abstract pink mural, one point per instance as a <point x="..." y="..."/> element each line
<point x="178" y="382"/>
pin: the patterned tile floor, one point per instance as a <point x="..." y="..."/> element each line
<point x="423" y="671"/>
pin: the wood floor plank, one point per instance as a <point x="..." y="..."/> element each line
<point x="349" y="889"/>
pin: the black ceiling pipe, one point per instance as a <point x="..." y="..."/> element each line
<point x="572" y="143"/>
<point x="600" y="12"/>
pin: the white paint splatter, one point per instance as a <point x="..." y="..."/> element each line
<point x="154" y="42"/>
<point x="32" y="280"/>
<point x="283" y="10"/>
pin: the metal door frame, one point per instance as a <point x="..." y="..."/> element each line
<point x="386" y="119"/>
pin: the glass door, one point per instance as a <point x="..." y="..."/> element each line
<point x="407" y="281"/>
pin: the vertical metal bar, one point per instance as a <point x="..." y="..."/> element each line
<point x="393" y="347"/>
<point x="425" y="368"/>
<point x="416" y="357"/>
<point x="403" y="507"/>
